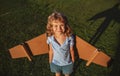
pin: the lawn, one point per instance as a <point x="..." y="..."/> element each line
<point x="95" y="21"/>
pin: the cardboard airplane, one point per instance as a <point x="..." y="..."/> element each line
<point x="38" y="46"/>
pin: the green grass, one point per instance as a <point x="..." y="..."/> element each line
<point x="22" y="20"/>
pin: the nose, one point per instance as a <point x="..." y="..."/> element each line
<point x="59" y="28"/>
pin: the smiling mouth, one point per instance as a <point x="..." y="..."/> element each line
<point x="59" y="31"/>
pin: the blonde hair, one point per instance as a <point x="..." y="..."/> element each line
<point x="60" y="17"/>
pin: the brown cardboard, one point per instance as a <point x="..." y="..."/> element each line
<point x="19" y="52"/>
<point x="90" y="53"/>
<point x="38" y="45"/>
<point x="102" y="59"/>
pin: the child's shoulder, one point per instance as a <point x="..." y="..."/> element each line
<point x="72" y="36"/>
<point x="50" y="37"/>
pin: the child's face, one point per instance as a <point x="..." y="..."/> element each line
<point x="58" y="27"/>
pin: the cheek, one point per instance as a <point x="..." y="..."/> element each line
<point x="53" y="29"/>
<point x="63" y="28"/>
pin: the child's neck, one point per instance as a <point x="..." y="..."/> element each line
<point x="60" y="38"/>
<point x="59" y="35"/>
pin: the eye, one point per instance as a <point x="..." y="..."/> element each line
<point x="62" y="25"/>
<point x="56" y="26"/>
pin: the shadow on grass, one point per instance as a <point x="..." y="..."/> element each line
<point x="109" y="15"/>
<point x="112" y="14"/>
<point x="116" y="63"/>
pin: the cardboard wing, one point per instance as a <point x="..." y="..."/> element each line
<point x="36" y="46"/>
<point x="85" y="50"/>
<point x="19" y="52"/>
<point x="90" y="53"/>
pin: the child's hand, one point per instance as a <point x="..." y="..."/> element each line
<point x="49" y="61"/>
<point x="73" y="60"/>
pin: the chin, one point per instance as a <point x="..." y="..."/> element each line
<point x="59" y="32"/>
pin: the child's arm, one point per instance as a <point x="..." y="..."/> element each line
<point x="50" y="53"/>
<point x="72" y="54"/>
